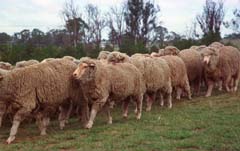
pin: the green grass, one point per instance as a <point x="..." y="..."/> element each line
<point x="197" y="125"/>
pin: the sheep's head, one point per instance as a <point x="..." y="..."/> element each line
<point x="171" y="50"/>
<point x="210" y="58"/>
<point x="103" y="55"/>
<point x="5" y="65"/>
<point x="216" y="45"/>
<point x="85" y="71"/>
<point x="117" y="57"/>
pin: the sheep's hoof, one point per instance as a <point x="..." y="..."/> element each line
<point x="89" y="125"/>
<point x="62" y="125"/>
<point x="170" y="106"/>
<point x="148" y="109"/>
<point x="10" y="139"/>
<point x="208" y="95"/>
<point x="110" y="122"/>
<point x="135" y="111"/>
<point x="125" y="116"/>
<point x="161" y="104"/>
<point x="138" y="116"/>
<point x="43" y="133"/>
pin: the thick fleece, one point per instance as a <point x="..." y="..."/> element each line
<point x="102" y="82"/>
<point x="221" y="64"/>
<point x="38" y="89"/>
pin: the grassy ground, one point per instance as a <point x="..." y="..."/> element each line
<point x="200" y="124"/>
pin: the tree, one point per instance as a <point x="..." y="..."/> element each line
<point x="210" y="21"/>
<point x="160" y="35"/>
<point x="141" y="20"/>
<point x="4" y="38"/>
<point x="116" y="24"/>
<point x="37" y="37"/>
<point x="235" y="22"/>
<point x="73" y="21"/>
<point x="96" y="23"/>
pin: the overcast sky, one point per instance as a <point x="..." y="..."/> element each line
<point x="17" y="15"/>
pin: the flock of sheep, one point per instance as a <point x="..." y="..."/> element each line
<point x="36" y="90"/>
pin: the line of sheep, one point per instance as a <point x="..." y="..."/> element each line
<point x="36" y="90"/>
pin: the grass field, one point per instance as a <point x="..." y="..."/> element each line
<point x="200" y="124"/>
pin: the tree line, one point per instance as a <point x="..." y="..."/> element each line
<point x="133" y="26"/>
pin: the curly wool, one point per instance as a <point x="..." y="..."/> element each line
<point x="22" y="64"/>
<point x="6" y="66"/>
<point x="194" y="66"/>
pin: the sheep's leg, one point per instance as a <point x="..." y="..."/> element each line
<point x="210" y="85"/>
<point x="125" y="108"/>
<point x="139" y="100"/>
<point x="226" y="83"/>
<point x="236" y="81"/>
<point x="108" y="108"/>
<point x="197" y="86"/>
<point x="150" y="100"/>
<point x="18" y="118"/>
<point x="69" y="112"/>
<point x="84" y="111"/>
<point x="3" y="108"/>
<point x="187" y="89"/>
<point x="179" y="93"/>
<point x="220" y="83"/>
<point x="161" y="99"/>
<point x="42" y="122"/>
<point x="169" y="99"/>
<point x="95" y="108"/>
<point x="64" y="115"/>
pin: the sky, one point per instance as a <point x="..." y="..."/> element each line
<point x="176" y="15"/>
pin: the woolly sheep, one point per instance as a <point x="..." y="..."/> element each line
<point x="155" y="72"/>
<point x="221" y="64"/>
<point x="170" y="50"/>
<point x="194" y="66"/>
<point x="178" y="75"/>
<point x="198" y="48"/>
<point x="102" y="82"/>
<point x="5" y="65"/>
<point x="69" y="58"/>
<point x="103" y="55"/>
<point x="47" y="59"/>
<point x="39" y="88"/>
<point x="216" y="45"/>
<point x="22" y="64"/>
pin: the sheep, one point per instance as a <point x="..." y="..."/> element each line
<point x="6" y="66"/>
<point x="47" y="59"/>
<point x="221" y="64"/>
<point x="170" y="50"/>
<point x="155" y="72"/>
<point x="69" y="58"/>
<point x="103" y="55"/>
<point x="194" y="66"/>
<point x="198" y="48"/>
<point x="216" y="45"/>
<point x="22" y="64"/>
<point x="179" y="75"/>
<point x="37" y="90"/>
<point x="102" y="82"/>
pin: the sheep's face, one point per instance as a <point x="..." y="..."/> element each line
<point x="103" y="55"/>
<point x="85" y="71"/>
<point x="5" y="66"/>
<point x="117" y="57"/>
<point x="210" y="58"/>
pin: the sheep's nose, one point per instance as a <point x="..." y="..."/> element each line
<point x="75" y="75"/>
